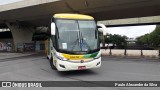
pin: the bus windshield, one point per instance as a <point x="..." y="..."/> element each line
<point x="77" y="35"/>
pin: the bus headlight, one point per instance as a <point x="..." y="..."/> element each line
<point x="98" y="56"/>
<point x="61" y="58"/>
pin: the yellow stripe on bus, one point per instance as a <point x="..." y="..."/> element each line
<point x="73" y="57"/>
<point x="73" y="16"/>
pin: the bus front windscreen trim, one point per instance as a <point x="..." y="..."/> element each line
<point x="77" y="35"/>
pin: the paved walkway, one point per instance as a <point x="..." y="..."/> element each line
<point x="4" y="55"/>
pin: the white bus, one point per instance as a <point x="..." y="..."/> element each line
<point x="73" y="43"/>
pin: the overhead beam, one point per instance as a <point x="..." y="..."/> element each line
<point x="23" y="4"/>
<point x="152" y="20"/>
<point x="39" y="12"/>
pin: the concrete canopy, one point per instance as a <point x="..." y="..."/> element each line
<point x="39" y="12"/>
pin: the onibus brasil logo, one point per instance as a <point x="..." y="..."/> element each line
<point x="21" y="84"/>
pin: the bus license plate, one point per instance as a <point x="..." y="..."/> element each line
<point x="81" y="67"/>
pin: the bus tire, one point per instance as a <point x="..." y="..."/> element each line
<point x="47" y="57"/>
<point x="51" y="64"/>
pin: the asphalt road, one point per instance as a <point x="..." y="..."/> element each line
<point x="36" y="68"/>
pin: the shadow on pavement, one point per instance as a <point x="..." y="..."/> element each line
<point x="77" y="73"/>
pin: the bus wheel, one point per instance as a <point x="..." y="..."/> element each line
<point x="47" y="57"/>
<point x="51" y="64"/>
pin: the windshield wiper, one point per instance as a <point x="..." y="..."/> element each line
<point x="75" y="42"/>
<point x="83" y="41"/>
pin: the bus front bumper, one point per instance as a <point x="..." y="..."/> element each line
<point x="68" y="66"/>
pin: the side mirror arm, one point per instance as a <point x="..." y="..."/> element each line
<point x="102" y="29"/>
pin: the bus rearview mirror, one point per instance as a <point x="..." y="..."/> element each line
<point x="53" y="28"/>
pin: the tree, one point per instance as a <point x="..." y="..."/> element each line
<point x="152" y="39"/>
<point x="155" y="37"/>
<point x="118" y="40"/>
<point x="144" y="40"/>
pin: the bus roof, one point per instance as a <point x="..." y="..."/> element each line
<point x="73" y="16"/>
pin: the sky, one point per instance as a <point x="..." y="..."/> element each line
<point x="2" y="2"/>
<point x="131" y="31"/>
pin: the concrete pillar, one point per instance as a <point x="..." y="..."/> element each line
<point x="20" y="34"/>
